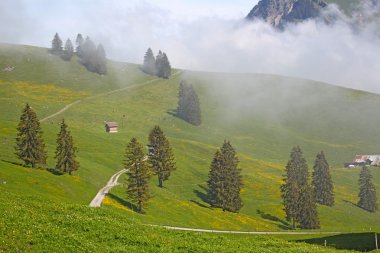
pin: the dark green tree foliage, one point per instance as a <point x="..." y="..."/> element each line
<point x="68" y="51"/>
<point x="307" y="214"/>
<point x="163" y="67"/>
<point x="188" y="104"/>
<point x="30" y="147"/>
<point x="322" y="181"/>
<point x="138" y="174"/>
<point x="225" y="181"/>
<point x="79" y="42"/>
<point x="92" y="57"/>
<point x="296" y="192"/>
<point x="367" y="191"/>
<point x="160" y="155"/>
<point x="56" y="45"/>
<point x="149" y="65"/>
<point x="66" y="151"/>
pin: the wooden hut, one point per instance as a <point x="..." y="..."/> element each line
<point x="111" y="127"/>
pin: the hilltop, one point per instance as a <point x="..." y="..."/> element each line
<point x="263" y="116"/>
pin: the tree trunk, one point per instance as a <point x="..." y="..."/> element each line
<point x="293" y="223"/>
<point x="160" y="182"/>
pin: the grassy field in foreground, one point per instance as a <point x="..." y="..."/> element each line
<point x="35" y="225"/>
<point x="263" y="116"/>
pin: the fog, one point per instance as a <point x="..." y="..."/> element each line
<point x="340" y="53"/>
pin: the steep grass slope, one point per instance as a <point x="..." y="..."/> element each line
<point x="263" y="116"/>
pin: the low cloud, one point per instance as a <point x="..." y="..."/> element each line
<point x="338" y="53"/>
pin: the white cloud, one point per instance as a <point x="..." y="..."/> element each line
<point x="335" y="54"/>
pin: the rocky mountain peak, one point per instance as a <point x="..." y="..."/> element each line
<point x="280" y="12"/>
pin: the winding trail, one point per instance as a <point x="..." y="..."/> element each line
<point x="97" y="201"/>
<point x="104" y="94"/>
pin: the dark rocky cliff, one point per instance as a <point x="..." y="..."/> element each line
<point x="280" y="12"/>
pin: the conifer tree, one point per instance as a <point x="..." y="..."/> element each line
<point x="161" y="156"/>
<point x="367" y="191"/>
<point x="225" y="182"/>
<point x="322" y="181"/>
<point x="188" y="104"/>
<point x="298" y="199"/>
<point x="159" y="64"/>
<point x="56" y="45"/>
<point x="68" y="51"/>
<point x="30" y="147"/>
<point x="149" y="65"/>
<point x="79" y="42"/>
<point x="66" y="151"/>
<point x="138" y="174"/>
<point x="166" y="68"/>
<point x="307" y="214"/>
<point x="101" y="61"/>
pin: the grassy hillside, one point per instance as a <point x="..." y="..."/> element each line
<point x="35" y="225"/>
<point x="263" y="116"/>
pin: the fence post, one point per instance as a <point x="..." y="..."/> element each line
<point x="377" y="245"/>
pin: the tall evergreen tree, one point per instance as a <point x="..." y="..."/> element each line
<point x="138" y="174"/>
<point x="159" y="64"/>
<point x="30" y="147"/>
<point x="66" y="151"/>
<point x="79" y="42"/>
<point x="296" y="192"/>
<point x="166" y="68"/>
<point x="160" y="155"/>
<point x="188" y="104"/>
<point x="56" y="45"/>
<point x="308" y="214"/>
<point x="101" y="60"/>
<point x="225" y="181"/>
<point x="322" y="181"/>
<point x="367" y="191"/>
<point x="68" y="51"/>
<point x="149" y="65"/>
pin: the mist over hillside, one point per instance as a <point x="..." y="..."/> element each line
<point x="336" y="54"/>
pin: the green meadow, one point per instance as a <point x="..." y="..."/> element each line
<point x="263" y="116"/>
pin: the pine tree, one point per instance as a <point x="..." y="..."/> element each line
<point x="188" y="104"/>
<point x="101" y="61"/>
<point x="68" y="51"/>
<point x="56" y="45"/>
<point x="79" y="42"/>
<point x="295" y="182"/>
<point x="65" y="152"/>
<point x="149" y="65"/>
<point x="159" y="64"/>
<point x="367" y="192"/>
<point x="138" y="174"/>
<point x="307" y="214"/>
<point x="166" y="69"/>
<point x="30" y="147"/>
<point x="322" y="181"/>
<point x="225" y="182"/>
<point x="160" y="155"/>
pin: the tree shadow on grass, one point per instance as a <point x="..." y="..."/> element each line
<point x="55" y="172"/>
<point x="201" y="194"/>
<point x="14" y="163"/>
<point x="356" y="241"/>
<point x="123" y="202"/>
<point x="283" y="224"/>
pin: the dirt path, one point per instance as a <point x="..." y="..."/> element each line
<point x="102" y="95"/>
<point x="245" y="232"/>
<point x="97" y="201"/>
